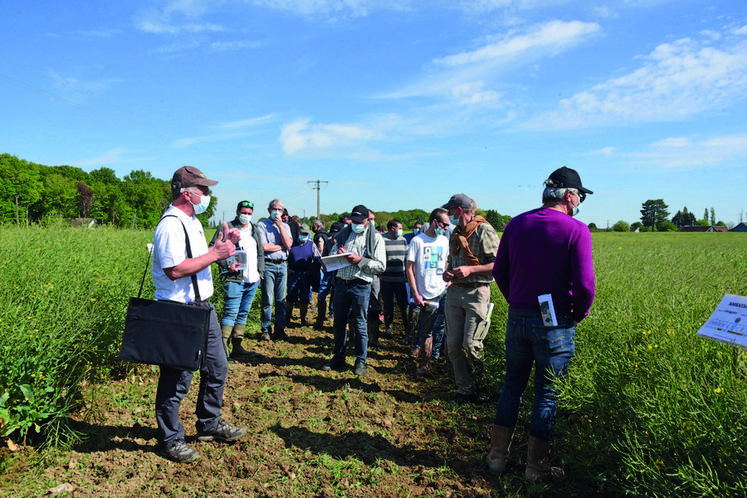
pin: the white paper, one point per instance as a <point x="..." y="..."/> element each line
<point x="728" y="323"/>
<point x="547" y="310"/>
<point x="433" y="304"/>
<point x="335" y="261"/>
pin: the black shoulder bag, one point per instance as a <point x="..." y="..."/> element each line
<point x="166" y="333"/>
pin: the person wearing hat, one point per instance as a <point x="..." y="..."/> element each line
<point x="367" y="258"/>
<point x="544" y="270"/>
<point x="276" y="242"/>
<point x="300" y="257"/>
<point x="240" y="286"/>
<point x="472" y="248"/>
<point x="173" y="273"/>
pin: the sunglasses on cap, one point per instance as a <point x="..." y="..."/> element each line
<point x="246" y="204"/>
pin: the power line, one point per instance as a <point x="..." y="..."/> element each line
<point x="318" y="188"/>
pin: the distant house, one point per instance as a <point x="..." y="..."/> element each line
<point x="742" y="227"/>
<point x="702" y="228"/>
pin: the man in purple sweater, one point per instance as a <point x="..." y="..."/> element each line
<point x="544" y="270"/>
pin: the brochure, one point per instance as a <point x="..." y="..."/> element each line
<point x="728" y="324"/>
<point x="335" y="261"/>
<point x="547" y="309"/>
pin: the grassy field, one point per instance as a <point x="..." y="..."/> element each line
<point x="647" y="409"/>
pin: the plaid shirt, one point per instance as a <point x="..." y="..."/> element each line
<point x="483" y="244"/>
<point x="366" y="268"/>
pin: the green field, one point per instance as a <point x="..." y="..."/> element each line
<point x="648" y="408"/>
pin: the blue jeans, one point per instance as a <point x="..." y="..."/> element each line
<point x="351" y="302"/>
<point x="550" y="349"/>
<point x="239" y="299"/>
<point x="173" y="385"/>
<point x="273" y="292"/>
<point x="432" y="324"/>
<point x="299" y="287"/>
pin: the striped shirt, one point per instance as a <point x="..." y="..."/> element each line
<point x="396" y="255"/>
<point x="484" y="245"/>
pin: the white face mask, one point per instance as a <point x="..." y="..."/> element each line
<point x="399" y="233"/>
<point x="202" y="206"/>
<point x="358" y="227"/>
<point x="245" y="219"/>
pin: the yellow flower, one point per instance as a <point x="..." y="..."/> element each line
<point x="718" y="390"/>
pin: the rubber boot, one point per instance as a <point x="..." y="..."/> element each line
<point x="226" y="332"/>
<point x="288" y="314"/>
<point x="238" y="336"/>
<point x="304" y="308"/>
<point x="321" y="316"/>
<point x="426" y="352"/>
<point x="538" y="462"/>
<point x="500" y="444"/>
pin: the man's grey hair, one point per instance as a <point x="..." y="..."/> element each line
<point x="318" y="223"/>
<point x="273" y="202"/>
<point x="555" y="195"/>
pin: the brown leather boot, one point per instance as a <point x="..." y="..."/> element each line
<point x="538" y="462"/>
<point x="500" y="443"/>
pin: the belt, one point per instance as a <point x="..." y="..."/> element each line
<point x="469" y="285"/>
<point x="274" y="261"/>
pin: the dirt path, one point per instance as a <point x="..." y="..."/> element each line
<point x="311" y="433"/>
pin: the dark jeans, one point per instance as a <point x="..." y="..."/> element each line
<point x="273" y="292"/>
<point x="351" y="302"/>
<point x="528" y="341"/>
<point x="299" y="288"/>
<point x="173" y="385"/>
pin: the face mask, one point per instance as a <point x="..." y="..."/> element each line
<point x="440" y="231"/>
<point x="453" y="221"/>
<point x="576" y="210"/>
<point x="358" y="228"/>
<point x="203" y="204"/>
<point x="399" y="233"/>
<point x="415" y="231"/>
<point x="303" y="238"/>
<point x="275" y="213"/>
<point x="245" y="219"/>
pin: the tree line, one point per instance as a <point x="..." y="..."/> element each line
<point x="655" y="217"/>
<point x="30" y="192"/>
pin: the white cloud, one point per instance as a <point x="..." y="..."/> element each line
<point x="234" y="45"/>
<point x="474" y="94"/>
<point x="328" y="8"/>
<point x="675" y="82"/>
<point x="177" y="16"/>
<point x="688" y="153"/>
<point x="246" y="123"/>
<point x="108" y="157"/>
<point x="552" y="37"/>
<point x="300" y="135"/>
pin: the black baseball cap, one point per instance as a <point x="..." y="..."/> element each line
<point x="566" y="178"/>
<point x="359" y="214"/>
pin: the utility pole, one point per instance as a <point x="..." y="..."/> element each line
<point x="318" y="188"/>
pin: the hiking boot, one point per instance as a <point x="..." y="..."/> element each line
<point x="461" y="399"/>
<point x="265" y="336"/>
<point x="334" y="365"/>
<point x="223" y="432"/>
<point x="360" y="368"/>
<point x="178" y="451"/>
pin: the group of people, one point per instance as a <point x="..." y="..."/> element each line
<point x="439" y="278"/>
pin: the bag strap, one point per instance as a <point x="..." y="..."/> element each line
<point x="189" y="255"/>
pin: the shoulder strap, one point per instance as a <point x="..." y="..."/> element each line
<point x="459" y="240"/>
<point x="189" y="255"/>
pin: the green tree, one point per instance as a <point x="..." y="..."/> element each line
<point x="713" y="216"/>
<point x="684" y="218"/>
<point x="621" y="226"/>
<point x="147" y="197"/>
<point x="654" y="212"/>
<point x="21" y="187"/>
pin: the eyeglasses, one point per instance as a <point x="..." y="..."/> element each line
<point x="246" y="204"/>
<point x="443" y="224"/>
<point x="581" y="196"/>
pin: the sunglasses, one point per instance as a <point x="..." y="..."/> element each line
<point x="246" y="204"/>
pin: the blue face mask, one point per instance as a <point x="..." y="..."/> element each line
<point x="576" y="210"/>
<point x="399" y="233"/>
<point x="275" y="213"/>
<point x="415" y="231"/>
<point x="303" y="238"/>
<point x="440" y="231"/>
<point x="358" y="228"/>
<point x="454" y="221"/>
<point x="202" y="206"/>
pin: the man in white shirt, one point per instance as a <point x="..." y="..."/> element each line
<point x="173" y="271"/>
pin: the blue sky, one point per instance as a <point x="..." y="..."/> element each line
<point x="396" y="104"/>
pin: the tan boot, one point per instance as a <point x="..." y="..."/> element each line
<point x="238" y="335"/>
<point x="426" y="353"/>
<point x="500" y="444"/>
<point x="226" y="332"/>
<point x="538" y="462"/>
